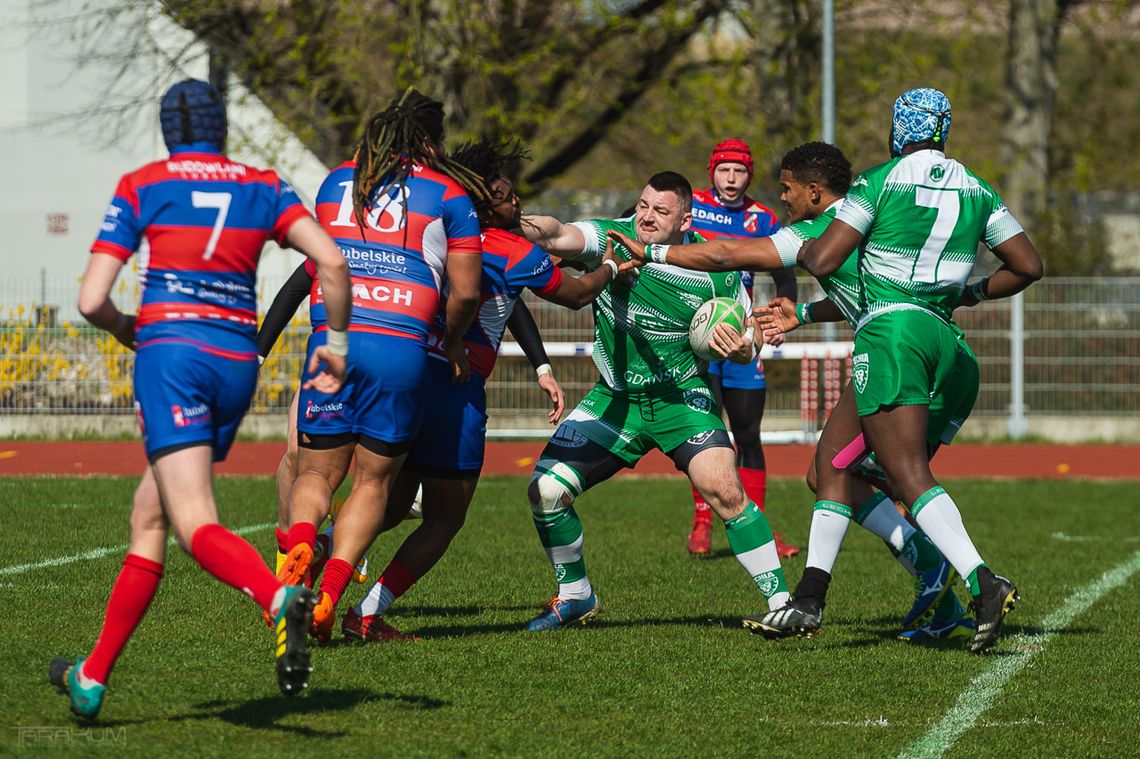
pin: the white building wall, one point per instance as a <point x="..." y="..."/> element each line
<point x="59" y="168"/>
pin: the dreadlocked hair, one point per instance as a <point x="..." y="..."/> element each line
<point x="491" y="158"/>
<point x="407" y="132"/>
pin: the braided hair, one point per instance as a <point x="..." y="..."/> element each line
<point x="491" y="158"/>
<point x="407" y="132"/>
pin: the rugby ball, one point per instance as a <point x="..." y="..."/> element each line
<point x="711" y="313"/>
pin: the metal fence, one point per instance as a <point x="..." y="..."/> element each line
<point x="1081" y="347"/>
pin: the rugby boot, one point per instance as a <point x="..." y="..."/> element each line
<point x="559" y="613"/>
<point x="371" y="628"/>
<point x="783" y="549"/>
<point x="86" y="700"/>
<point x="800" y="617"/>
<point x="996" y="599"/>
<point x="291" y="635"/>
<point x="929" y="589"/>
<point x="324" y="618"/>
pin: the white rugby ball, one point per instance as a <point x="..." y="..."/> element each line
<point x="711" y="313"/>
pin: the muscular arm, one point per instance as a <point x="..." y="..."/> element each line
<point x="577" y="292"/>
<point x="307" y="237"/>
<point x="95" y="299"/>
<point x="464" y="275"/>
<point x="824" y="255"/>
<point x="525" y="331"/>
<point x="725" y="254"/>
<point x="1021" y="267"/>
<point x="282" y="310"/>
<point x="553" y="236"/>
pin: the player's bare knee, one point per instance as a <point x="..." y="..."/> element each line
<point x="812" y="478"/>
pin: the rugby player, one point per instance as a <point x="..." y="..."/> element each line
<point x="206" y="219"/>
<point x="652" y="393"/>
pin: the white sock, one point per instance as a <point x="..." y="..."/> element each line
<point x="570" y="554"/>
<point x="377" y="601"/>
<point x="938" y="516"/>
<point x="884" y="520"/>
<point x="829" y="521"/>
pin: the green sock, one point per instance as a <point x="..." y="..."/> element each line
<point x="921" y="552"/>
<point x="750" y="537"/>
<point x="972" y="581"/>
<point x="561" y="536"/>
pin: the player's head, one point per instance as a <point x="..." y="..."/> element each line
<point x="494" y="161"/>
<point x="664" y="212"/>
<point x="407" y="132"/>
<point x="921" y="117"/>
<point x="192" y="111"/>
<point x="730" y="170"/>
<point x="812" y="176"/>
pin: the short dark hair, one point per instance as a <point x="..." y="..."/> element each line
<point x="671" y="181"/>
<point x="819" y="162"/>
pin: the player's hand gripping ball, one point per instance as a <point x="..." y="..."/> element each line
<point x="726" y="311"/>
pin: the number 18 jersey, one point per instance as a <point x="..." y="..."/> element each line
<point x="922" y="216"/>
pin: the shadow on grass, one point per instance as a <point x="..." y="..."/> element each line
<point x="264" y="713"/>
<point x="519" y="626"/>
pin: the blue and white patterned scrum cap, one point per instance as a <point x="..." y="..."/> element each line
<point x="920" y="114"/>
<point x="192" y="111"/>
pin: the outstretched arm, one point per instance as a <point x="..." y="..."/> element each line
<point x="781" y="315"/>
<point x="725" y="254"/>
<point x="553" y="236"/>
<point x="1021" y="267"/>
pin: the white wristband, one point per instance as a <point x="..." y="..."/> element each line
<point x="543" y="370"/>
<point x="613" y="267"/>
<point x="337" y="342"/>
<point x="657" y="252"/>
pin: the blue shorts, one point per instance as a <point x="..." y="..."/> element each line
<point x="188" y="394"/>
<point x="739" y="376"/>
<point x="383" y="394"/>
<point x="453" y="437"/>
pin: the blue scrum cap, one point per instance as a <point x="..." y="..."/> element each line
<point x="192" y="111"/>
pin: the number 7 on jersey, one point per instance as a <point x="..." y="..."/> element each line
<point x="219" y="201"/>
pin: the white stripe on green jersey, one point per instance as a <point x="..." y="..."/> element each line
<point x="922" y="216"/>
<point x="842" y="286"/>
<point x="641" y="331"/>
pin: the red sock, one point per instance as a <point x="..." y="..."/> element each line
<point x="302" y="532"/>
<point x="235" y="562"/>
<point x="282" y="541"/>
<point x="337" y="574"/>
<point x="397" y="579"/>
<point x="701" y="509"/>
<point x="130" y="597"/>
<point x="755" y="482"/>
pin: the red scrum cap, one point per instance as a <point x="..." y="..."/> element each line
<point x="731" y="151"/>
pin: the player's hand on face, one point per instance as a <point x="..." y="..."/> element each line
<point x="553" y="391"/>
<point x="776" y="319"/>
<point x="460" y="370"/>
<point x="126" y="333"/>
<point x="330" y="378"/>
<point x="730" y="344"/>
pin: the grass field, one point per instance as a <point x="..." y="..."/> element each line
<point x="666" y="669"/>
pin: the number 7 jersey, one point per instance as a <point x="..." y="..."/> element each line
<point x="922" y="216"/>
<point x="206" y="219"/>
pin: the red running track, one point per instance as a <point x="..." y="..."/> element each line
<point x="260" y="458"/>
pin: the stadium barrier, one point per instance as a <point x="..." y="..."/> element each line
<point x="1081" y="348"/>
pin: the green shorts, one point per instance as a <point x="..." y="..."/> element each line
<point x="913" y="358"/>
<point x="630" y="425"/>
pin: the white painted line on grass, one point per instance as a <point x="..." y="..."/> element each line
<point x="98" y="553"/>
<point x="984" y="689"/>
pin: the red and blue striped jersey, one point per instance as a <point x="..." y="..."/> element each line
<point x="510" y="265"/>
<point x="397" y="258"/>
<point x="205" y="219"/>
<point x="713" y="219"/>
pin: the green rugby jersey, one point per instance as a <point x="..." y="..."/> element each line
<point x="641" y="331"/>
<point x="922" y="216"/>
<point x="843" y="286"/>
